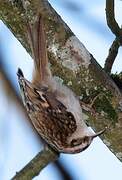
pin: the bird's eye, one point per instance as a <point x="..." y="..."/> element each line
<point x="74" y="142"/>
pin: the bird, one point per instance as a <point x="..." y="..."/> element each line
<point x="53" y="108"/>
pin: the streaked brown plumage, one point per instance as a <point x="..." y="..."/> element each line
<point x="52" y="107"/>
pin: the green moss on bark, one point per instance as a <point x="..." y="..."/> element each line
<point x="102" y="104"/>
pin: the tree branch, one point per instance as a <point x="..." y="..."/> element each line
<point x="113" y="51"/>
<point x="110" y="17"/>
<point x="113" y="25"/>
<point x="34" y="167"/>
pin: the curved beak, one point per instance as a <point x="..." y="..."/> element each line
<point x="98" y="134"/>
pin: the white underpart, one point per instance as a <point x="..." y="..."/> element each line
<point x="69" y="99"/>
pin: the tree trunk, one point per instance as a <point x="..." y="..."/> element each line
<point x="71" y="61"/>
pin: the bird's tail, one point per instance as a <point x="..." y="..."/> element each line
<point x="37" y="41"/>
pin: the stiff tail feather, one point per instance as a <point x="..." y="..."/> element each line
<point x="37" y="41"/>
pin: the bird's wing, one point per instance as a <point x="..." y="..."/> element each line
<point x="49" y="116"/>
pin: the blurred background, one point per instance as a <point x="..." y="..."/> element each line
<point x="19" y="142"/>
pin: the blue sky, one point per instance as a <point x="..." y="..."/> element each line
<point x="18" y="143"/>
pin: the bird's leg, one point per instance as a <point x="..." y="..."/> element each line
<point x="94" y="99"/>
<point x="89" y="107"/>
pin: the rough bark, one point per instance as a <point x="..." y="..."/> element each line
<point x="71" y="62"/>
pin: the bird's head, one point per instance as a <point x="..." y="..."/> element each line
<point x="80" y="144"/>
